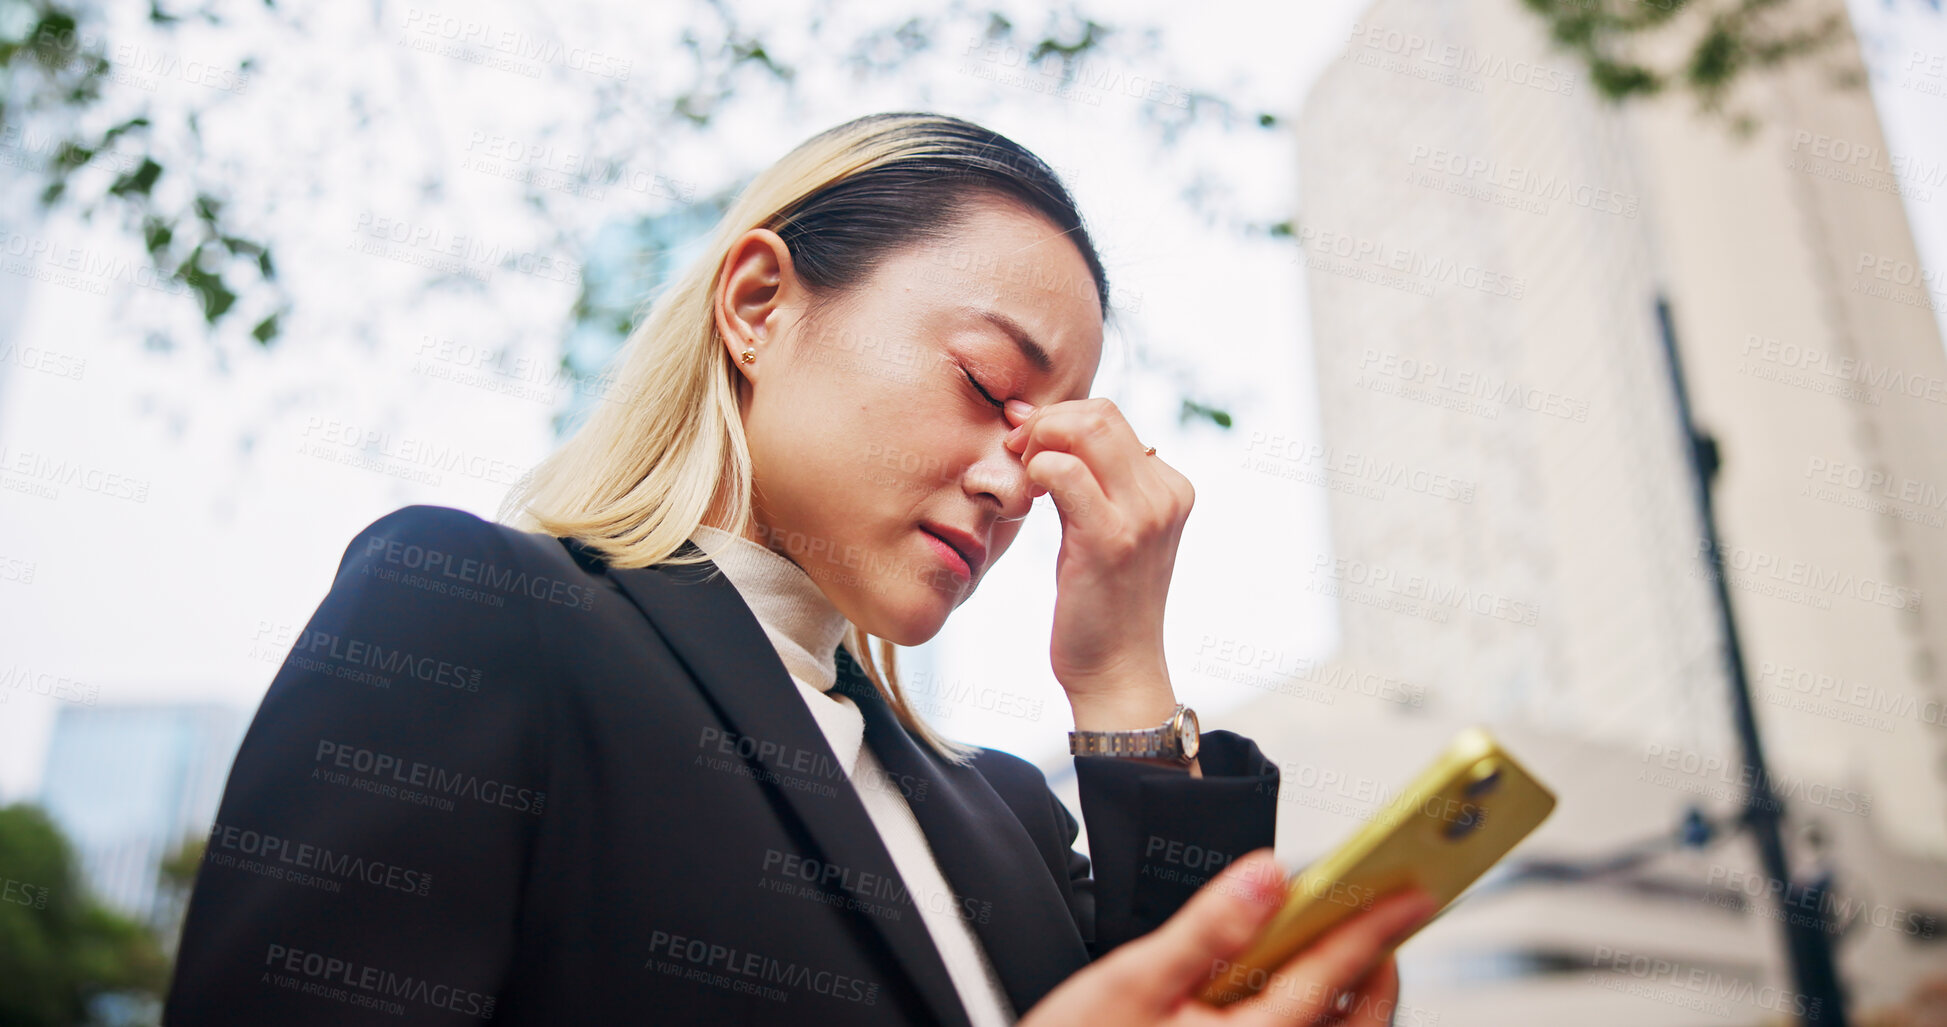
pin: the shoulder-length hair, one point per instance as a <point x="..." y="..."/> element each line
<point x="638" y="477"/>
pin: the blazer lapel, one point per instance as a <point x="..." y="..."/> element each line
<point x="710" y="628"/>
<point x="984" y="852"/>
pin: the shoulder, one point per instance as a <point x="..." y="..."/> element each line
<point x="1013" y="777"/>
<point x="448" y="541"/>
<point x="450" y="553"/>
<point x="1025" y="791"/>
<point x="428" y="531"/>
<point x="418" y="538"/>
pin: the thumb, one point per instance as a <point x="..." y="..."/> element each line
<point x="1216" y="924"/>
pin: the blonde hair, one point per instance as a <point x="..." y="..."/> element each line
<point x="640" y="475"/>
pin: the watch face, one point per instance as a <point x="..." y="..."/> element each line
<point x="1188" y="733"/>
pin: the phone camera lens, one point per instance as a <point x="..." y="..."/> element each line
<point x="1487" y="777"/>
<point x="1464" y="821"/>
<point x="1467" y="816"/>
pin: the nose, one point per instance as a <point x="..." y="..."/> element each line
<point x="1000" y="473"/>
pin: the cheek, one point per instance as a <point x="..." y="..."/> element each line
<point x="906" y="445"/>
<point x="1005" y="532"/>
<point x="847" y="433"/>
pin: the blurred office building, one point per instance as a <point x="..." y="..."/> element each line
<point x="130" y="784"/>
<point x="1493" y="256"/>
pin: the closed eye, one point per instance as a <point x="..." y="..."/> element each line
<point x="983" y="392"/>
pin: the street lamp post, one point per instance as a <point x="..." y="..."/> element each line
<point x="1808" y="925"/>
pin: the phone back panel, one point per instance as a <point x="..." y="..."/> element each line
<point x="1457" y="819"/>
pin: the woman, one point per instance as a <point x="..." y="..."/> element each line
<point x="573" y="774"/>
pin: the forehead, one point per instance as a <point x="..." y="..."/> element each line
<point x="1016" y="286"/>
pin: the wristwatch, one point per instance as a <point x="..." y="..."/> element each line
<point x="1177" y="739"/>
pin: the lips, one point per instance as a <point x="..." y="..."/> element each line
<point x="969" y="548"/>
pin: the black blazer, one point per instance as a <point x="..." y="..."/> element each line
<point x="496" y="780"/>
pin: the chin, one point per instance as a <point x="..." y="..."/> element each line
<point x="913" y="618"/>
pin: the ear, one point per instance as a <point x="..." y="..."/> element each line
<point x="757" y="277"/>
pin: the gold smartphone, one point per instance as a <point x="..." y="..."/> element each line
<point x="1456" y="820"/>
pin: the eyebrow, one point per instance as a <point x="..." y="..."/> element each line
<point x="1023" y="340"/>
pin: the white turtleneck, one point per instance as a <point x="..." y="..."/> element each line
<point x="805" y="628"/>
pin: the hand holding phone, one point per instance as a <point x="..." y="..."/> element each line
<point x="1457" y="819"/>
<point x="1152" y="981"/>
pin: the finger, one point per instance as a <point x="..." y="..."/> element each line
<point x="1018" y="411"/>
<point x="1376" y="998"/>
<point x="1368" y="1003"/>
<point x="1309" y="985"/>
<point x="1151" y="495"/>
<point x="1215" y="925"/>
<point x="1099" y="434"/>
<point x="1164" y="490"/>
<point x="1078" y="496"/>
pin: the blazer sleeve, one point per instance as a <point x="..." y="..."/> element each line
<point x="368" y="857"/>
<point x="1156" y="834"/>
